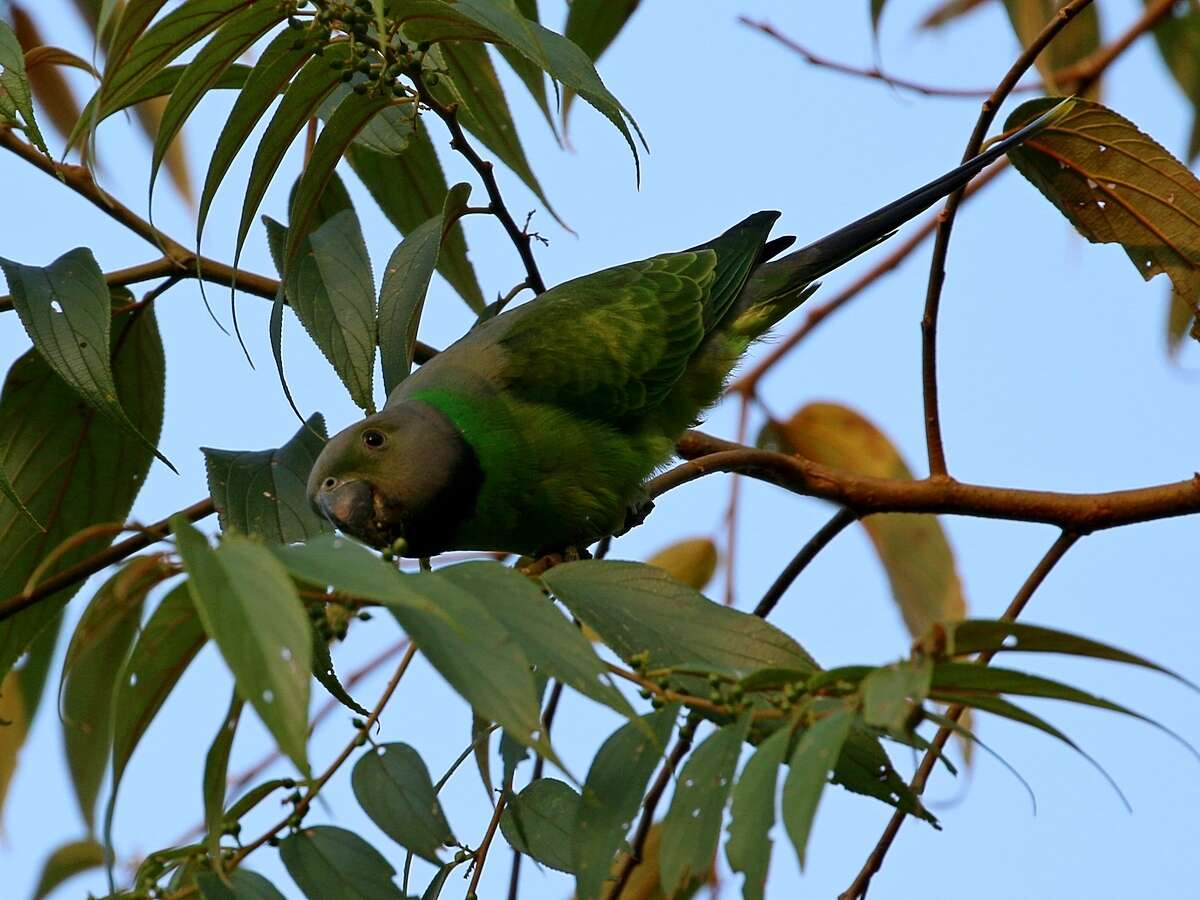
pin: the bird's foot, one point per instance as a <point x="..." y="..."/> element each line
<point x="533" y="567"/>
<point x="635" y="514"/>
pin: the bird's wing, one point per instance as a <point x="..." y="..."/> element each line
<point x="609" y="345"/>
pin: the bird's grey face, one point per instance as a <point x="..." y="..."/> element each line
<point x="405" y="472"/>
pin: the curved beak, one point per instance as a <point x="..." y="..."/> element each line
<point x="350" y="505"/>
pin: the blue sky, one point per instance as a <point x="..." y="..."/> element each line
<point x="1053" y="375"/>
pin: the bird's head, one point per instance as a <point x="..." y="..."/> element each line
<point x="404" y="473"/>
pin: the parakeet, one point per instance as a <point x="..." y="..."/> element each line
<point x="536" y="431"/>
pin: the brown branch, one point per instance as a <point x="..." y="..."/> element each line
<point x="520" y="238"/>
<point x="818" y="542"/>
<point x="941" y="243"/>
<point x="866" y="495"/>
<point x="482" y="851"/>
<point x="862" y="881"/>
<point x="106" y="557"/>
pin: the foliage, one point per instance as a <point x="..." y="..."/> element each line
<point x="374" y="81"/>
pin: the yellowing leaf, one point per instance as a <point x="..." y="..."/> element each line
<point x="692" y="561"/>
<point x="12" y="730"/>
<point x="913" y="549"/>
<point x="1077" y="40"/>
<point x="1117" y="186"/>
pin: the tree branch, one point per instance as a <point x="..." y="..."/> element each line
<point x="941" y="243"/>
<point x="521" y="239"/>
<point x="858" y="888"/>
<point x="818" y="542"/>
<point x="866" y="495"/>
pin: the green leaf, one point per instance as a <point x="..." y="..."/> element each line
<point x="388" y="132"/>
<point x="864" y="768"/>
<point x="255" y="796"/>
<point x="235" y="37"/>
<point x="549" y="640"/>
<point x="161" y="85"/>
<point x="94" y="659"/>
<point x="612" y="794"/>
<point x="914" y="550"/>
<point x="993" y="636"/>
<point x="948" y="11"/>
<point x="249" y="607"/>
<point x="456" y="632"/>
<point x="243" y="885"/>
<point x="327" y="862"/>
<point x="411" y="189"/>
<point x="637" y="608"/>
<point x="1181" y="320"/>
<point x="406" y="284"/>
<point x="66" y="309"/>
<point x="324" y="673"/>
<point x="10" y="493"/>
<point x="394" y="789"/>
<point x="530" y="73"/>
<point x="216" y="775"/>
<point x="1117" y="185"/>
<point x="1178" y="37"/>
<point x="891" y="694"/>
<point x="66" y="862"/>
<point x="168" y="643"/>
<point x="434" y="890"/>
<point x="471" y="85"/>
<point x="331" y="289"/>
<point x="133" y="19"/>
<point x="815" y="755"/>
<point x="279" y="62"/>
<point x="15" y="96"/>
<point x="1077" y="40"/>
<point x="540" y="822"/>
<point x="594" y="24"/>
<point x="504" y="24"/>
<point x="876" y="15"/>
<point x="57" y="450"/>
<point x="692" y="827"/>
<point x="262" y="492"/>
<point x="752" y="815"/>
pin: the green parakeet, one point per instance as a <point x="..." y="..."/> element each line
<point x="536" y="431"/>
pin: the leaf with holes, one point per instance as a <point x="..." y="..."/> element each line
<point x="94" y="659"/>
<point x="913" y="548"/>
<point x="1079" y="39"/>
<point x="1117" y="185"/>
<point x="216" y="776"/>
<point x="263" y="492"/>
<point x="411" y="189"/>
<point x="327" y="862"/>
<point x="612" y="794"/>
<point x="406" y="284"/>
<point x="540" y="822"/>
<point x="16" y="100"/>
<point x="752" y="815"/>
<point x="57" y="450"/>
<point x="692" y="827"/>
<point x="394" y="789"/>
<point x="249" y="607"/>
<point x="815" y="755"/>
<point x="66" y="309"/>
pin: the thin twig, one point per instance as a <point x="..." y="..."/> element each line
<point x="941" y="244"/>
<point x="521" y="239"/>
<point x="818" y="542"/>
<point x="858" y="888"/>
<point x="482" y="852"/>
<point x="539" y="766"/>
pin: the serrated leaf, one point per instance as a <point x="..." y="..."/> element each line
<point x="216" y="774"/>
<point x="388" y="132"/>
<point x="66" y="862"/>
<point x="57" y="450"/>
<point x="243" y="885"/>
<point x="540" y="822"/>
<point x="1117" y="185"/>
<point x="50" y="87"/>
<point x="913" y="548"/>
<point x="161" y="85"/>
<point x="249" y="607"/>
<point x="692" y="561"/>
<point x="1076" y="41"/>
<point x="752" y="814"/>
<point x="394" y="789"/>
<point x="279" y="62"/>
<point x="465" y="643"/>
<point x="814" y="758"/>
<point x="530" y="73"/>
<point x="692" y="827"/>
<point x="16" y="99"/>
<point x="612" y="794"/>
<point x="327" y="862"/>
<point x="238" y="33"/>
<point x="549" y="640"/>
<point x="558" y="57"/>
<point x="262" y="492"/>
<point x="95" y="656"/>
<point x="891" y="694"/>
<point x="1178" y="37"/>
<point x="410" y="190"/>
<point x="637" y="608"/>
<point x="331" y="289"/>
<point x="405" y="285"/>
<point x="593" y="25"/>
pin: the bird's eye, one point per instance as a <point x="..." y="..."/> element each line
<point x="373" y="439"/>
